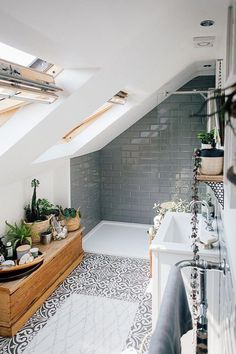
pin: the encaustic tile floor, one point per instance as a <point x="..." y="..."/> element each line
<point x="102" y="307"/>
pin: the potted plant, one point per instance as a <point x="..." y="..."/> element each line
<point x="71" y="218"/>
<point x="46" y="236"/>
<point x="212" y="161"/>
<point x="226" y="110"/>
<point x="19" y="234"/>
<point x="206" y="139"/>
<point x="37" y="213"/>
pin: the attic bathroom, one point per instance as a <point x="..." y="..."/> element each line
<point x="117" y="183"/>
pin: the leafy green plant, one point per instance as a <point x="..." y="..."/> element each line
<point x="39" y="209"/>
<point x="225" y="106"/>
<point x="206" y="137"/>
<point x="69" y="212"/>
<point x="18" y="234"/>
<point x="177" y="205"/>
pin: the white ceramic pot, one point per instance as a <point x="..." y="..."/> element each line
<point x="212" y="166"/>
<point x="21" y="250"/>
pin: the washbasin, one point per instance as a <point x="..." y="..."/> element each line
<point x="175" y="233"/>
<point x="176" y="228"/>
<point x="171" y="245"/>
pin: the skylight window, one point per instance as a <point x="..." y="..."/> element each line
<point x="23" y="79"/>
<point x="15" y="55"/>
<point x="119" y="98"/>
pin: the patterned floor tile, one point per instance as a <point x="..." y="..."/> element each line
<point x="112" y="277"/>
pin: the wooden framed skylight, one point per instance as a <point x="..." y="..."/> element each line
<point x="119" y="98"/>
<point x="29" y="70"/>
<point x="85" y="123"/>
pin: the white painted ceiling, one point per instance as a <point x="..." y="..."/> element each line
<point x="142" y="46"/>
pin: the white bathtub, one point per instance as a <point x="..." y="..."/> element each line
<point x="118" y="239"/>
<point x="171" y="245"/>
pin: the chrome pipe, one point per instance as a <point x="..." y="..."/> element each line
<point x="203" y="264"/>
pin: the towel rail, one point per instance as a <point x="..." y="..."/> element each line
<point x="203" y="264"/>
<point x="202" y="322"/>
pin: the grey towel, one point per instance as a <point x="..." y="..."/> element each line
<point x="174" y="318"/>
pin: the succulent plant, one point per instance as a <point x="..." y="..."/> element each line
<point x="69" y="212"/>
<point x="18" y="234"/>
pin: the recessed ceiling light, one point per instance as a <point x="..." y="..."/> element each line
<point x="204" y="44"/>
<point x="207" y="65"/>
<point x="207" y="23"/>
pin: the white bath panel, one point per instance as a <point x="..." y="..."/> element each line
<point x="119" y="239"/>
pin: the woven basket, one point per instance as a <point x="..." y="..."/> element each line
<point x="72" y="224"/>
<point x="37" y="227"/>
<point x="211" y="166"/>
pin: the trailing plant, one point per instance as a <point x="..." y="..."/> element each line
<point x="19" y="234"/>
<point x="194" y="237"/>
<point x="206" y="137"/>
<point x="38" y="209"/>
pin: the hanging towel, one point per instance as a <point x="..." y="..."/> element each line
<point x="174" y="318"/>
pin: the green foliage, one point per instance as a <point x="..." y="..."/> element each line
<point x="69" y="212"/>
<point x="19" y="234"/>
<point x="178" y="205"/>
<point x="206" y="137"/>
<point x="39" y="209"/>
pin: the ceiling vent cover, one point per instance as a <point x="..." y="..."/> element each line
<point x="203" y="42"/>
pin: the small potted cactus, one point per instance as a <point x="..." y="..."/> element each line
<point x="37" y="213"/>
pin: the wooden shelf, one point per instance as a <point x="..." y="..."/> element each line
<point x="206" y="178"/>
<point x="19" y="299"/>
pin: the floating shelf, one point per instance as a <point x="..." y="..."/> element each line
<point x="206" y="178"/>
<point x="216" y="184"/>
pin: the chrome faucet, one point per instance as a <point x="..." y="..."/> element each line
<point x="209" y="219"/>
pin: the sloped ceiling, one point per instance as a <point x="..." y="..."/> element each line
<point x="140" y="46"/>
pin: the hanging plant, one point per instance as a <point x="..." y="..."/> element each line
<point x="226" y="103"/>
<point x="194" y="283"/>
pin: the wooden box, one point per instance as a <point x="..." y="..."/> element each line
<point x="20" y="299"/>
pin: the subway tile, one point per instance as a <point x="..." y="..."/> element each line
<point x="150" y="161"/>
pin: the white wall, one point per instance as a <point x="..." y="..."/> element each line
<point x="54" y="185"/>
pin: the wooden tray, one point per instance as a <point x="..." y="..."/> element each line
<point x="7" y="269"/>
<point x="18" y="274"/>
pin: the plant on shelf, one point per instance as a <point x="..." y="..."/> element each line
<point x="39" y="209"/>
<point x="71" y="217"/>
<point x="206" y="138"/>
<point x="18" y="234"/>
<point x="225" y="100"/>
<point x="37" y="213"/>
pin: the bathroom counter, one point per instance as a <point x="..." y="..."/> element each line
<point x="19" y="299"/>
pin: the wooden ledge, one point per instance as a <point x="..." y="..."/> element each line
<point x="206" y="178"/>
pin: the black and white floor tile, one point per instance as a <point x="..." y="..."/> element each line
<point x="108" y="277"/>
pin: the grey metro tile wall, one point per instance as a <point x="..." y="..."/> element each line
<point x="149" y="162"/>
<point x="85" y="188"/>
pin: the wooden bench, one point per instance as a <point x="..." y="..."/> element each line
<point x="19" y="299"/>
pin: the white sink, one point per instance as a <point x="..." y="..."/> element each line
<point x="176" y="227"/>
<point x="175" y="232"/>
<point x="173" y="244"/>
